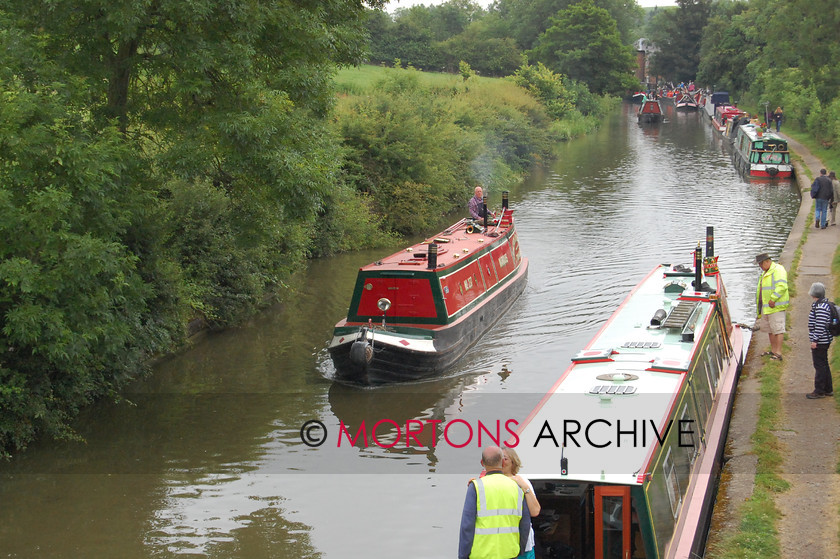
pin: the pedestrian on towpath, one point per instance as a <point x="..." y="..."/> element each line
<point x="823" y="194"/>
<point x="495" y="521"/>
<point x="777" y="116"/>
<point x="835" y="187"/>
<point x="772" y="300"/>
<point x="818" y="321"/>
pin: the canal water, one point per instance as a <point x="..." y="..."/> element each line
<point x="206" y="459"/>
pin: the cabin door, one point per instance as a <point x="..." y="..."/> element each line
<point x="612" y="522"/>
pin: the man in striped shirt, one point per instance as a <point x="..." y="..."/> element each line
<point x="818" y="321"/>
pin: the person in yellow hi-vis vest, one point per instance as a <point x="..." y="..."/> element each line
<point x="495" y="522"/>
<point x="772" y="300"/>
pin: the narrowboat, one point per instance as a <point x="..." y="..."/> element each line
<point x="686" y="101"/>
<point x="723" y="115"/>
<point x="715" y="100"/>
<point x="415" y="313"/>
<point x="624" y="451"/>
<point x="650" y="111"/>
<point x="761" y="153"/>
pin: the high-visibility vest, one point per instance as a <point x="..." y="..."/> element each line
<point x="772" y="286"/>
<point x="498" y="512"/>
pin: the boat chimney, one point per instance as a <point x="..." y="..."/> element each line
<point x="432" y="259"/>
<point x="710" y="242"/>
<point x="505" y="199"/>
<point x="698" y="268"/>
<point x="484" y="205"/>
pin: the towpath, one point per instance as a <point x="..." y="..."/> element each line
<point x="810" y="429"/>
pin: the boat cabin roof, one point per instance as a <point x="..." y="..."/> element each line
<point x="728" y="111"/>
<point x="719" y="97"/>
<point x="627" y="379"/>
<point x="751" y="131"/>
<point x="455" y="244"/>
<point x="651" y="106"/>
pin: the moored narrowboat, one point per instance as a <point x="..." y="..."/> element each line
<point x="686" y="101"/>
<point x="724" y="114"/>
<point x="650" y="111"/>
<point x="761" y="153"/>
<point x="624" y="452"/>
<point x="415" y="313"/>
<point x="715" y="100"/>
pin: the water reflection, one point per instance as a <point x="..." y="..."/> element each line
<point x="207" y="460"/>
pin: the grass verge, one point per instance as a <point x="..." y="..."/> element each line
<point x="758" y="535"/>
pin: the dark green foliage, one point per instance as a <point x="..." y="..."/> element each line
<point x="488" y="55"/>
<point x="160" y="161"/>
<point x="409" y="40"/>
<point x="492" y="42"/>
<point x="678" y="34"/>
<point x="583" y="43"/>
<point x="728" y="47"/>
<point x="753" y="49"/>
<point x="73" y="314"/>
<point x="528" y="19"/>
<point x="348" y="222"/>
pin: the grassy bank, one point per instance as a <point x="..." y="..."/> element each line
<point x="417" y="143"/>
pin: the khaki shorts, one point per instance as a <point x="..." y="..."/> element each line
<point x="775" y="323"/>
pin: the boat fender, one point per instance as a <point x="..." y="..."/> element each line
<point x="361" y="353"/>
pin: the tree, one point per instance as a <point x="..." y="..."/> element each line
<point x="488" y="55"/>
<point x="583" y="43"/>
<point x="677" y="35"/>
<point x="528" y="19"/>
<point x="156" y="154"/>
<point x="73" y="305"/>
<point x="231" y="93"/>
<point x="728" y="48"/>
<point x="811" y="45"/>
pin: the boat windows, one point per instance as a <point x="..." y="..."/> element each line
<point x="699" y="413"/>
<point x="773" y="157"/>
<point x="700" y="387"/>
<point x="688" y="434"/>
<point x="567" y="526"/>
<point x="564" y="528"/>
<point x="710" y="370"/>
<point x="672" y="484"/>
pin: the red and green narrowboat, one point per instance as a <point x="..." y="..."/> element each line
<point x="415" y="313"/>
<point x="761" y="153"/>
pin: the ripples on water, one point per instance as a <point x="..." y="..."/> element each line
<point x="208" y="461"/>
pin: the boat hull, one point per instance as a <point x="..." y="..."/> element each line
<point x="406" y="353"/>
